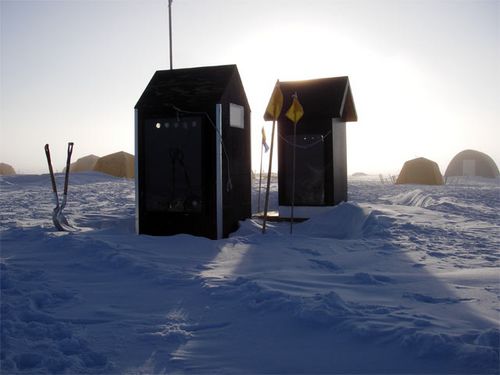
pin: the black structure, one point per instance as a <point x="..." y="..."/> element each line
<point x="193" y="162"/>
<point x="321" y="160"/>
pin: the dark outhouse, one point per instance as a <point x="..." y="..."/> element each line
<point x="193" y="163"/>
<point x="321" y="160"/>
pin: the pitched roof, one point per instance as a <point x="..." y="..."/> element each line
<point x="188" y="89"/>
<point x="324" y="97"/>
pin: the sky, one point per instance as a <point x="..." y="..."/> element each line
<point x="425" y="75"/>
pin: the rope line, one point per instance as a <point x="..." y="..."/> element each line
<point x="305" y="147"/>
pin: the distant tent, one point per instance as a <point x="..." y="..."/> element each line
<point x="6" y="170"/>
<point x="119" y="164"/>
<point x="420" y="171"/>
<point x="472" y="163"/>
<point x="86" y="163"/>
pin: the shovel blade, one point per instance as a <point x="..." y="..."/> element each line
<point x="60" y="221"/>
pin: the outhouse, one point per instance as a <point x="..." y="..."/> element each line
<point x="193" y="163"/>
<point x="320" y="146"/>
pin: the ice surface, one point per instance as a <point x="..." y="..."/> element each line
<point x="400" y="279"/>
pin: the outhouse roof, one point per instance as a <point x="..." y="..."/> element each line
<point x="324" y="97"/>
<point x="189" y="89"/>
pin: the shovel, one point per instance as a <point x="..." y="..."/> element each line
<point x="58" y="218"/>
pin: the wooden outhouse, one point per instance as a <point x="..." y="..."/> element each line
<point x="193" y="164"/>
<point x="321" y="158"/>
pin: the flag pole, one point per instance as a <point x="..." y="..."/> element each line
<point x="273" y="110"/>
<point x="294" y="113"/>
<point x="293" y="173"/>
<point x="260" y="175"/>
<point x="170" y="30"/>
<point x="266" y="202"/>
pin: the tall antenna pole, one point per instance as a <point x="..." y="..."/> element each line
<point x="170" y="29"/>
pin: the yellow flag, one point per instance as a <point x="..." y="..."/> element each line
<point x="275" y="103"/>
<point x="295" y="112"/>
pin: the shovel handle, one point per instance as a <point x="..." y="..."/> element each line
<point x="49" y="162"/>
<point x="68" y="161"/>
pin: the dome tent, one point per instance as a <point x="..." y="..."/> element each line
<point x="6" y="170"/>
<point x="119" y="164"/>
<point x="472" y="163"/>
<point x="420" y="171"/>
<point x="86" y="163"/>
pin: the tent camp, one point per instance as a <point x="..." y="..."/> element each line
<point x="472" y="163"/>
<point x="6" y="170"/>
<point x="86" y="163"/>
<point x="420" y="171"/>
<point x="119" y="164"/>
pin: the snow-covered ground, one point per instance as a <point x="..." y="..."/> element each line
<point x="401" y="279"/>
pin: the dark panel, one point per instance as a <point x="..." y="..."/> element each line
<point x="309" y="170"/>
<point x="176" y="194"/>
<point x="173" y="179"/>
<point x="311" y="127"/>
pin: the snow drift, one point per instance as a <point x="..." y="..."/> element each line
<point x="401" y="279"/>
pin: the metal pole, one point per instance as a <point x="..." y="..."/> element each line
<point x="293" y="174"/>
<point x="218" y="172"/>
<point x="266" y="203"/>
<point x="170" y="29"/>
<point x="260" y="176"/>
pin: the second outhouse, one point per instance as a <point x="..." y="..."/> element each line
<point x="320" y="146"/>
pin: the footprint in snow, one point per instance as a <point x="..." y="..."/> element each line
<point x="325" y="264"/>
<point x="434" y="300"/>
<point x="306" y="251"/>
<point x="369" y="279"/>
<point x="438" y="254"/>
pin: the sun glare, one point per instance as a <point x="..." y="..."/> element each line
<point x="389" y="92"/>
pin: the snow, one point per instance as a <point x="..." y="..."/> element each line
<point x="400" y="279"/>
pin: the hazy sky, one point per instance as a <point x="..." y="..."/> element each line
<point x="425" y="75"/>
